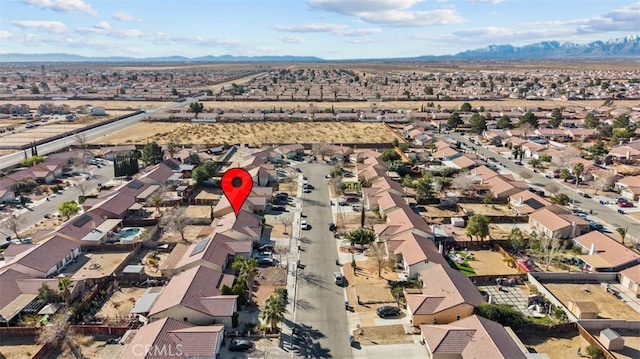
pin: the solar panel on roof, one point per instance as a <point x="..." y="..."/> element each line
<point x="135" y="184"/>
<point x="199" y="247"/>
<point x="82" y="220"/>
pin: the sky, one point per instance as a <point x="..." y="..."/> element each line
<point x="329" y="29"/>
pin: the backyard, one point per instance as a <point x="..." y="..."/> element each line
<point x="556" y="346"/>
<point x="121" y="302"/>
<point x="609" y="305"/>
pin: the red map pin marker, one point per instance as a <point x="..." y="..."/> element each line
<point x="236" y="184"/>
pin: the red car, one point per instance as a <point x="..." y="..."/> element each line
<point x="625" y="204"/>
<point x="279" y="208"/>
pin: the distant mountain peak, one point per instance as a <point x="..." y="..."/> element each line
<point x="623" y="47"/>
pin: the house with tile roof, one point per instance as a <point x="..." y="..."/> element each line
<point x="290" y="151"/>
<point x="402" y="221"/>
<point x="601" y="253"/>
<point x="194" y="296"/>
<point x="245" y="227"/>
<point x="558" y="224"/>
<point x="473" y="337"/>
<point x="175" y="339"/>
<point x="414" y="253"/>
<point x="19" y="292"/>
<point x="46" y="258"/>
<point x="525" y="202"/>
<point x="446" y="296"/>
<point x="630" y="279"/>
<point x="502" y="187"/>
<point x="629" y="187"/>
<point x="215" y="251"/>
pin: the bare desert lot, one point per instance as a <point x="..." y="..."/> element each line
<point x="256" y="133"/>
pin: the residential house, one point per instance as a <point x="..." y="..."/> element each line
<point x="171" y="338"/>
<point x="630" y="279"/>
<point x="629" y="151"/>
<point x="402" y="221"/>
<point x="501" y="187"/>
<point x="629" y="187"/>
<point x="290" y="151"/>
<point x="473" y="337"/>
<point x="46" y="258"/>
<point x="602" y="253"/>
<point x="526" y="202"/>
<point x="245" y="227"/>
<point x="19" y="294"/>
<point x="555" y="222"/>
<point x="446" y="296"/>
<point x="111" y="152"/>
<point x="194" y="296"/>
<point x="215" y="251"/>
<point x="414" y="253"/>
<point x="389" y="202"/>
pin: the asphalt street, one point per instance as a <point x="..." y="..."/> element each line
<point x="320" y="318"/>
<point x="601" y="213"/>
<point x="37" y="210"/>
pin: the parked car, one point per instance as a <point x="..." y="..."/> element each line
<point x="493" y="159"/>
<point x="305" y="226"/>
<point x="353" y="199"/>
<point x="240" y="345"/>
<point x="338" y="278"/>
<point x="332" y="227"/>
<point x="267" y="261"/>
<point x="625" y="204"/>
<point x="388" y="311"/>
<point x="279" y="208"/>
<point x="307" y="190"/>
<point x="265" y="248"/>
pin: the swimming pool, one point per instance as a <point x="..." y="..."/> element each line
<point x="130" y="233"/>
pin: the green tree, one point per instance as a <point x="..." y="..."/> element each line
<point x="591" y="121"/>
<point x="196" y="108"/>
<point x="46" y="295"/>
<point x="33" y="160"/>
<point x="465" y="107"/>
<point x="68" y="209"/>
<point x="64" y="288"/>
<point x="424" y="187"/>
<point x="35" y="90"/>
<point x="152" y="153"/>
<point x="200" y="175"/>
<point x="478" y="123"/>
<point x="61" y="336"/>
<point x="561" y="199"/>
<point x="565" y="174"/>
<point x="171" y="148"/>
<point x="598" y="149"/>
<point x="623" y="233"/>
<point x="535" y="163"/>
<point x="272" y="312"/>
<point x="504" y="122"/>
<point x="390" y="155"/>
<point x="517" y="240"/>
<point x="622" y="121"/>
<point x="248" y="270"/>
<point x="503" y="314"/>
<point x="529" y="118"/>
<point x="360" y="236"/>
<point x="428" y="90"/>
<point x="454" y="120"/>
<point x="478" y="225"/>
<point x="556" y="118"/>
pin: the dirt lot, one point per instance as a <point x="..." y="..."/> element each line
<point x="382" y="335"/>
<point x="108" y="105"/>
<point x="269" y="279"/>
<point x="98" y="265"/>
<point x="559" y="346"/>
<point x="610" y="306"/>
<point x="487" y="210"/>
<point x="18" y="348"/>
<point x="631" y="344"/>
<point x="368" y="286"/>
<point x="191" y="233"/>
<point x="121" y="302"/>
<point x="272" y="132"/>
<point x="489" y="262"/>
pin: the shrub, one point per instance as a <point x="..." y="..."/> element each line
<point x="595" y="352"/>
<point x="234" y="319"/>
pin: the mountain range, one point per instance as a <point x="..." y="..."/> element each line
<point x="622" y="48"/>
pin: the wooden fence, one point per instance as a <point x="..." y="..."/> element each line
<point x="541" y="328"/>
<point x="593" y="341"/>
<point x="508" y="257"/>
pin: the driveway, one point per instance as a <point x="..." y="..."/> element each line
<point x="320" y="317"/>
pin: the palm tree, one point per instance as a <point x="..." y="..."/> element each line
<point x="360" y="236"/>
<point x="64" y="285"/>
<point x="273" y="310"/>
<point x="535" y="162"/>
<point x="248" y="269"/>
<point x="61" y="336"/>
<point x="171" y="148"/>
<point x="622" y="232"/>
<point x="156" y="201"/>
<point x="577" y="171"/>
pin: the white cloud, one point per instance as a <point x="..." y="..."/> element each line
<point x="122" y="16"/>
<point x="65" y="6"/>
<point x="414" y="18"/>
<point x="626" y="18"/>
<point x="486" y="1"/>
<point x="5" y="35"/>
<point x="55" y="27"/>
<point x="335" y="29"/>
<point x="394" y="13"/>
<point x="355" y="7"/>
<point x="102" y="25"/>
<point x="294" y="39"/>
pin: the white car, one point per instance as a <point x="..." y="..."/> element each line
<point x="338" y="278"/>
<point x="304" y="225"/>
